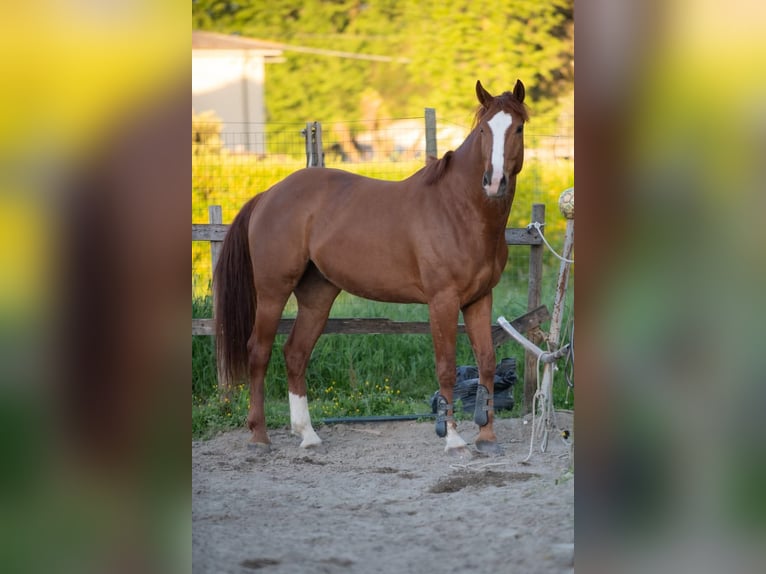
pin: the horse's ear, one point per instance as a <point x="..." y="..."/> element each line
<point x="483" y="95"/>
<point x="519" y="91"/>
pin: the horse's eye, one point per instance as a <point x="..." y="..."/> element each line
<point x="520" y="129"/>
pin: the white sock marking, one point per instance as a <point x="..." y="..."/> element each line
<point x="300" y="421"/>
<point x="454" y="440"/>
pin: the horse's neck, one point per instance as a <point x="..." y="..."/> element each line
<point x="466" y="175"/>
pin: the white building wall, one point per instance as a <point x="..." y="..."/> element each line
<point x="231" y="83"/>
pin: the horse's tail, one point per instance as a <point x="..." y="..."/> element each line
<point x="234" y="298"/>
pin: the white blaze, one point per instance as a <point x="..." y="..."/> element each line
<point x="499" y="125"/>
<point x="300" y="421"/>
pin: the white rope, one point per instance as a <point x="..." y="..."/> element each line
<point x="535" y="398"/>
<point x="537" y="225"/>
<point x="551" y="423"/>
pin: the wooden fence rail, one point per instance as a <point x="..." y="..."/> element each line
<point x="215" y="232"/>
<point x="382" y="326"/>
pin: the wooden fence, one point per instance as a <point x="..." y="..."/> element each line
<point x="215" y="231"/>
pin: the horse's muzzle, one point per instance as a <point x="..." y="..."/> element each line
<point x="494" y="187"/>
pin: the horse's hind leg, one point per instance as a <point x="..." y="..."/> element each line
<point x="315" y="297"/>
<point x="267" y="315"/>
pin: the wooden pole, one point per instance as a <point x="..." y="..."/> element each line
<point x="306" y="133"/>
<point x="314" y="150"/>
<point x="215" y="216"/>
<point x="318" y="148"/>
<point x="430" y="133"/>
<point x="553" y="336"/>
<point x="533" y="301"/>
<point x="561" y="286"/>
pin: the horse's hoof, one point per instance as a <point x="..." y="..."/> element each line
<point x="311" y="440"/>
<point x="490" y="448"/>
<point x="461" y="452"/>
<point x="317" y="447"/>
<point x="259" y="447"/>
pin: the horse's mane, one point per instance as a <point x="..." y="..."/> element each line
<point x="436" y="168"/>
<point x="506" y="102"/>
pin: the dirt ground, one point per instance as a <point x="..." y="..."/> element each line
<point x="382" y="497"/>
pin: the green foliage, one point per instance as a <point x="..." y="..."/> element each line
<point x="365" y="399"/>
<point x="447" y="44"/>
<point x="219" y="413"/>
<point x="206" y="133"/>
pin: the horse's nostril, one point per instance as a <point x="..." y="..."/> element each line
<point x="485" y="179"/>
<point x="503" y="182"/>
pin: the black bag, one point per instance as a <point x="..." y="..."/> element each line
<point x="467" y="381"/>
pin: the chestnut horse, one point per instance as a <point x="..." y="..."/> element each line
<point x="437" y="237"/>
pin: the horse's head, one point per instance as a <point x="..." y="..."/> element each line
<point x="500" y="123"/>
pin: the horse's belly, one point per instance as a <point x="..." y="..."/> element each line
<point x="393" y="264"/>
<point x="385" y="295"/>
<point x="379" y="281"/>
<point x="393" y="280"/>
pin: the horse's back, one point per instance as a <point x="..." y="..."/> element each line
<point x="317" y="188"/>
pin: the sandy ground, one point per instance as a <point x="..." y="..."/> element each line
<point x="382" y="497"/>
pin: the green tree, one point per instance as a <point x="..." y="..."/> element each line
<point x="448" y="44"/>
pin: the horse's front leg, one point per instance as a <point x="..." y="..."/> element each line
<point x="443" y="312"/>
<point x="478" y="325"/>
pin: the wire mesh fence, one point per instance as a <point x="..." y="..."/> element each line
<point x="224" y="173"/>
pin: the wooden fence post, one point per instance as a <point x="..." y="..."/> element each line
<point x="309" y="145"/>
<point x="314" y="150"/>
<point x="533" y="301"/>
<point x="215" y="216"/>
<point x="318" y="146"/>
<point x="430" y="133"/>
